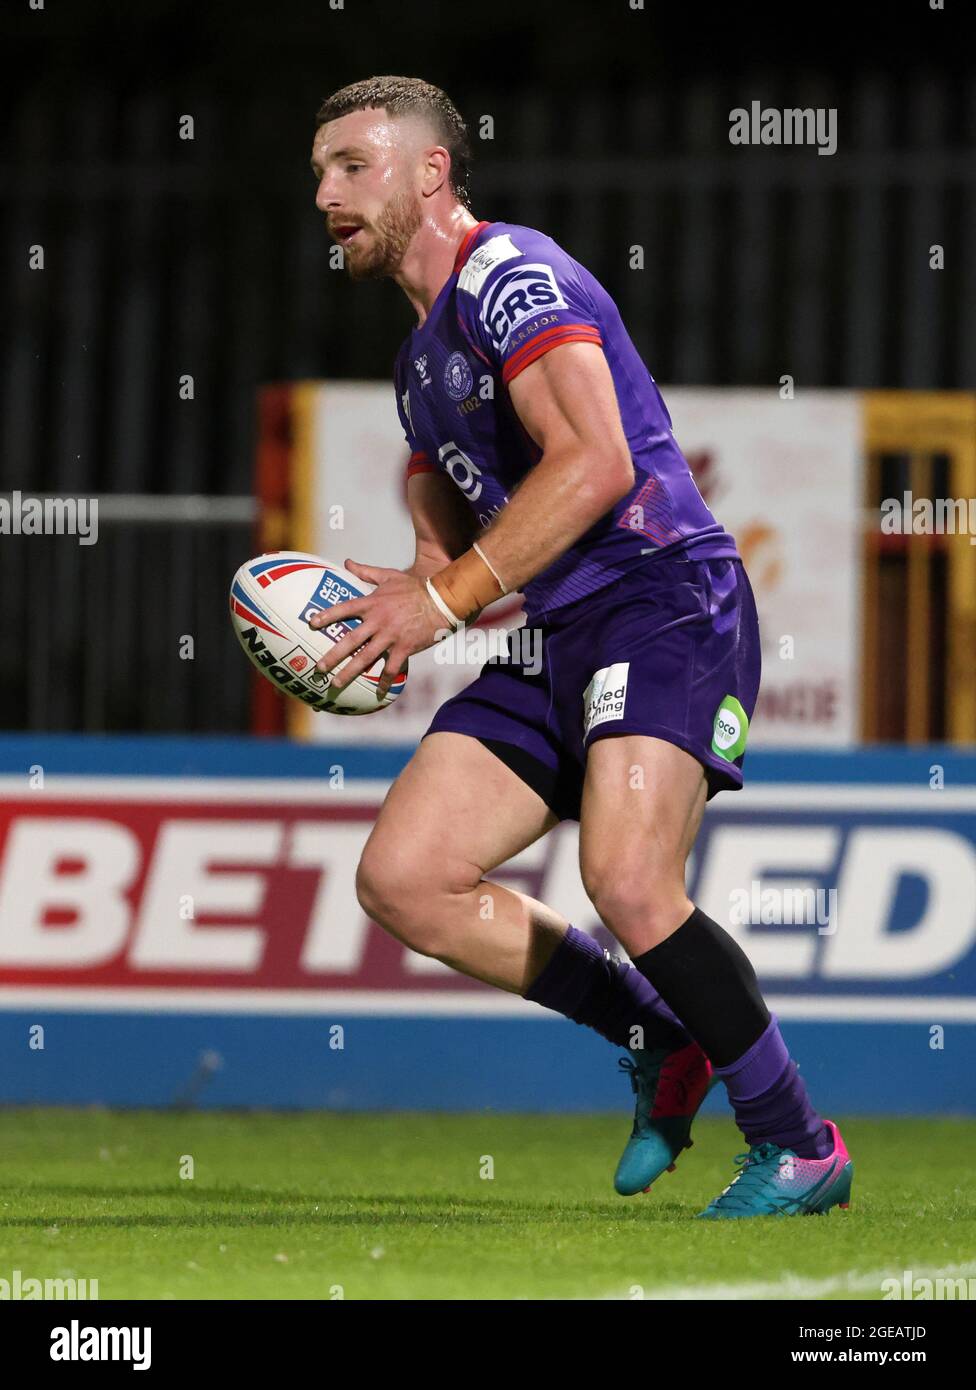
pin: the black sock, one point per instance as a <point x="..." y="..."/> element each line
<point x="709" y="982"/>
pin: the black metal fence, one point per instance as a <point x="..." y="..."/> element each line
<point x="167" y="259"/>
<point x="131" y="633"/>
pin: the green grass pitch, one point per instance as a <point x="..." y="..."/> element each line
<point x="396" y="1206"/>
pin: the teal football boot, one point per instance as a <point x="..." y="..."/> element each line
<point x="670" y="1087"/>
<point x="772" y="1181"/>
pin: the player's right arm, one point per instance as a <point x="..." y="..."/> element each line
<point x="444" y="525"/>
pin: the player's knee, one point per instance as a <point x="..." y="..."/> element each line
<point x="389" y="887"/>
<point x="407" y="894"/>
<point x="635" y="906"/>
<point x="617" y="902"/>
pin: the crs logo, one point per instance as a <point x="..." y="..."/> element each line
<point x="518" y="295"/>
<point x="463" y="470"/>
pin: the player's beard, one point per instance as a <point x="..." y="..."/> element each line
<point x="392" y="233"/>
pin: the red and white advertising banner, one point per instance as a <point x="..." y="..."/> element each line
<point x="214" y="894"/>
<point x="219" y="894"/>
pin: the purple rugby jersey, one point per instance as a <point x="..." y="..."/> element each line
<point x="512" y="296"/>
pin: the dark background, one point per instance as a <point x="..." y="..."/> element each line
<point x="165" y="257"/>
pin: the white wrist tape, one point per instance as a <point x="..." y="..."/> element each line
<point x="501" y="583"/>
<point x="443" y="609"/>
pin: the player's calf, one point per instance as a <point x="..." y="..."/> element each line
<point x="633" y="855"/>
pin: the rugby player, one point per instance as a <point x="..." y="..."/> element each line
<point x="563" y="481"/>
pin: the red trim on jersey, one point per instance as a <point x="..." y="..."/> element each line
<point x="419" y="463"/>
<point x="464" y="250"/>
<point x="551" y="338"/>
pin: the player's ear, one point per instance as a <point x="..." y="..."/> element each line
<point x="437" y="168"/>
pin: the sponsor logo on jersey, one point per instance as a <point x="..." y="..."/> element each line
<point x="458" y="377"/>
<point x="518" y="295"/>
<point x="606" y="695"/>
<point x="405" y="402"/>
<point x="730" y="730"/>
<point x="463" y="470"/>
<point x="540" y="322"/>
<point x="421" y="364"/>
<point x="482" y="262"/>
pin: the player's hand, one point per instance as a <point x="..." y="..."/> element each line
<point x="398" y="619"/>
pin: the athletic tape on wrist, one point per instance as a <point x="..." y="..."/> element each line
<point x="443" y="609"/>
<point x="467" y="585"/>
<point x="501" y="583"/>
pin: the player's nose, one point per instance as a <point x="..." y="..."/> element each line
<point x="326" y="199"/>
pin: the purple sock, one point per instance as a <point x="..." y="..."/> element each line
<point x="586" y="983"/>
<point x="770" y="1100"/>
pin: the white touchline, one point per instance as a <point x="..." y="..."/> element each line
<point x="791" y="1286"/>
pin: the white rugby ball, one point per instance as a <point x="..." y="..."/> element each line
<point x="272" y="598"/>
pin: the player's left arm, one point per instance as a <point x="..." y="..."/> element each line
<point x="567" y="403"/>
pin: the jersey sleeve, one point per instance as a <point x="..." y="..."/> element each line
<point x="419" y="461"/>
<point x="521" y="296"/>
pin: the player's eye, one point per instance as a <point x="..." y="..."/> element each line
<point x="353" y="168"/>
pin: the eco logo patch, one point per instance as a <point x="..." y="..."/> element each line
<point x="730" y="730"/>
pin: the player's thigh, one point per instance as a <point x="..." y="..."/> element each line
<point x="643" y="800"/>
<point x="454" y="813"/>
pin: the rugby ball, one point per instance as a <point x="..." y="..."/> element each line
<point x="272" y="598"/>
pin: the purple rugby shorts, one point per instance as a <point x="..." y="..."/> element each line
<point x="670" y="649"/>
